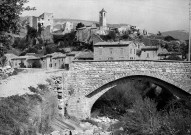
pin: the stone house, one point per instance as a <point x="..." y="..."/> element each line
<point x="26" y="61"/>
<point x="148" y="53"/>
<point x="32" y="21"/>
<point x="45" y="61"/>
<point x="122" y="50"/>
<point x="58" y="61"/>
<point x="68" y="27"/>
<point x="46" y="19"/>
<point x="54" y="60"/>
<point x="63" y="28"/>
<point x="10" y="56"/>
<point x="152" y="53"/>
<point x="69" y="58"/>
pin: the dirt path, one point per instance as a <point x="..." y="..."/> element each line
<point x="19" y="84"/>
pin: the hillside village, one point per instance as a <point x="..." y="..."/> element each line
<point x="45" y="42"/>
<point x="78" y="77"/>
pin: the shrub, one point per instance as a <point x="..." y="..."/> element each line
<point x="144" y="120"/>
<point x="20" y="114"/>
<point x="147" y="120"/>
<point x="32" y="89"/>
<point x="16" y="71"/>
<point x="3" y="61"/>
<point x="173" y="57"/>
<point x="176" y="120"/>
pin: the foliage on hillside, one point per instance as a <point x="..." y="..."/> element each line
<point x="28" y="114"/>
<point x="9" y="21"/>
<point x="146" y="120"/>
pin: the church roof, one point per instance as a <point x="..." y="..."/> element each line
<point x="103" y="10"/>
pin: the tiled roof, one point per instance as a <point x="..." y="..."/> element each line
<point x="59" y="56"/>
<point x="85" y="55"/>
<point x="26" y="57"/>
<point x="73" y="53"/>
<point x="113" y="43"/>
<point x="52" y="54"/>
<point x="149" y="48"/>
<point x="10" y="55"/>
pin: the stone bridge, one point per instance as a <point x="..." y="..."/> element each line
<point x="86" y="81"/>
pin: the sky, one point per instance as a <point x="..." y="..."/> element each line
<point x="152" y="15"/>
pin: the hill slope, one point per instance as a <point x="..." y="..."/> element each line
<point x="177" y="34"/>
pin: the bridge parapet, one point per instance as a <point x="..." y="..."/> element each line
<point x="90" y="75"/>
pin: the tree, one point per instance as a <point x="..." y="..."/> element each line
<point x="184" y="48"/>
<point x="31" y="33"/>
<point x="40" y="29"/>
<point x="159" y="33"/>
<point x="173" y="57"/>
<point x="112" y="35"/>
<point x="9" y="20"/>
<point x="79" y="25"/>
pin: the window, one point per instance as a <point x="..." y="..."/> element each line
<point x="50" y="65"/>
<point x="111" y="50"/>
<point x="130" y="51"/>
<point x="147" y="55"/>
<point x="134" y="51"/>
<point x="100" y="51"/>
<point x="55" y="64"/>
<point x="110" y="58"/>
<point x="121" y="51"/>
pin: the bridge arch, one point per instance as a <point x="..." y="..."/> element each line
<point x="96" y="94"/>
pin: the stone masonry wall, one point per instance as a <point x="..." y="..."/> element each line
<point x="85" y="77"/>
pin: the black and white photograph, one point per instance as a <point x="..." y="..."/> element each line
<point x="95" y="67"/>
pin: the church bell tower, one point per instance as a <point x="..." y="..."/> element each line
<point x="102" y="18"/>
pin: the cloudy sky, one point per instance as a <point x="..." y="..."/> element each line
<point x="153" y="15"/>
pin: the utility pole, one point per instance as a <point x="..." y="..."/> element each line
<point x="189" y="45"/>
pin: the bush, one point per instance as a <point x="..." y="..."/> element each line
<point x="16" y="71"/>
<point x="29" y="114"/>
<point x="147" y="120"/>
<point x="32" y="89"/>
<point x="3" y="61"/>
<point x="173" y="57"/>
<point x="177" y="120"/>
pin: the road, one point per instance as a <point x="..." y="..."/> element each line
<point x="18" y="84"/>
